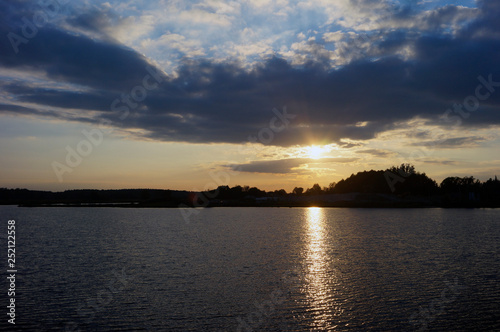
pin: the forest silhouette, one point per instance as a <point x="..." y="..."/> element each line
<point x="397" y="186"/>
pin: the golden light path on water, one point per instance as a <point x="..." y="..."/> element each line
<point x="320" y="278"/>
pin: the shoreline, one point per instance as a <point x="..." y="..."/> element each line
<point x="398" y="205"/>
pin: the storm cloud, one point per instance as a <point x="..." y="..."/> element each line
<point x="208" y="101"/>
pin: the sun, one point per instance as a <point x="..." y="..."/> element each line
<point x="315" y="152"/>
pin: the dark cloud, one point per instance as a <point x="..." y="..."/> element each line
<point x="224" y="102"/>
<point x="439" y="162"/>
<point x="94" y="20"/>
<point x="21" y="110"/>
<point x="89" y="100"/>
<point x="377" y="153"/>
<point x="65" y="56"/>
<point x="488" y="26"/>
<point x="349" y="145"/>
<point x="419" y="134"/>
<point x="286" y="166"/>
<point x="452" y="143"/>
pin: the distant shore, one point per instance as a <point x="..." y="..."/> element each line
<point x="277" y="204"/>
<point x="396" y="187"/>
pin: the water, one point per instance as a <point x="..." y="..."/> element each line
<point x="260" y="269"/>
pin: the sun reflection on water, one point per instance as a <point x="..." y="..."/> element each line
<point x="320" y="278"/>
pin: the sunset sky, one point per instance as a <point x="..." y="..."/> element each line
<point x="267" y="93"/>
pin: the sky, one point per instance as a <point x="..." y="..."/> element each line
<point x="189" y="95"/>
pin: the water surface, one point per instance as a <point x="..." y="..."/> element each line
<point x="269" y="269"/>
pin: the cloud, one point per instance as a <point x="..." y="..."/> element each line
<point x="377" y="153"/>
<point x="487" y="26"/>
<point x="285" y="166"/>
<point x="226" y="7"/>
<point x="21" y="110"/>
<point x="439" y="162"/>
<point x="213" y="101"/>
<point x="198" y="16"/>
<point x="77" y="60"/>
<point x="174" y="42"/>
<point x="453" y="143"/>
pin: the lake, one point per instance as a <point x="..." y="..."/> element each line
<point x="255" y="269"/>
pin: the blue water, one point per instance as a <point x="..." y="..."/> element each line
<point x="260" y="269"/>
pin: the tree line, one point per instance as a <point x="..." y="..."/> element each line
<point x="408" y="182"/>
<point x="403" y="181"/>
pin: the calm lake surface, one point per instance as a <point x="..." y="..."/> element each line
<point x="260" y="269"/>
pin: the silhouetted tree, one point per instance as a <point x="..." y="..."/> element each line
<point x="279" y="193"/>
<point x="236" y="192"/>
<point x="491" y="192"/>
<point x="256" y="192"/>
<point x="403" y="170"/>
<point x="315" y="190"/>
<point x="330" y="188"/>
<point x="417" y="184"/>
<point x="363" y="182"/>
<point x="460" y="185"/>
<point x="455" y="191"/>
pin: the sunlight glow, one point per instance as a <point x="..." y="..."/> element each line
<point x="316" y="152"/>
